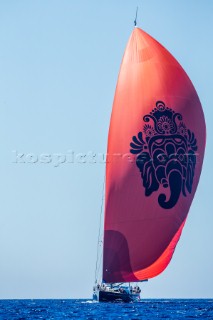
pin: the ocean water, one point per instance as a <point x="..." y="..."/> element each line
<point x="86" y="309"/>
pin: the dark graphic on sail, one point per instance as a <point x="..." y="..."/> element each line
<point x="166" y="152"/>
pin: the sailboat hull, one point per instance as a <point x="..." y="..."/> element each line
<point x="107" y="296"/>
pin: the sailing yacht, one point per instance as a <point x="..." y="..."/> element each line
<point x="158" y="129"/>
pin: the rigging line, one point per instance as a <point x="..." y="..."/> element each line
<point x="99" y="265"/>
<point x="99" y="231"/>
<point x="136" y="16"/>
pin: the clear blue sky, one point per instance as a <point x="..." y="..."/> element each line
<point x="59" y="62"/>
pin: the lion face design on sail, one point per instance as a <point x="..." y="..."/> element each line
<point x="165" y="154"/>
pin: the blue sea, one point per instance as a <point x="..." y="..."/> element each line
<point x="86" y="309"/>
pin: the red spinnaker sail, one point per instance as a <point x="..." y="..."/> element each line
<point x="155" y="152"/>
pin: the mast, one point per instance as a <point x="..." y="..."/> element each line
<point x="99" y="256"/>
<point x="136" y="15"/>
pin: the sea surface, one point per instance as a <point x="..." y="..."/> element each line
<point x="86" y="309"/>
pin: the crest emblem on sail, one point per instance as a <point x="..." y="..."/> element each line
<point x="166" y="154"/>
<point x="149" y="190"/>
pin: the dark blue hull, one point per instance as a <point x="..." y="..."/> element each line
<point x="107" y="296"/>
